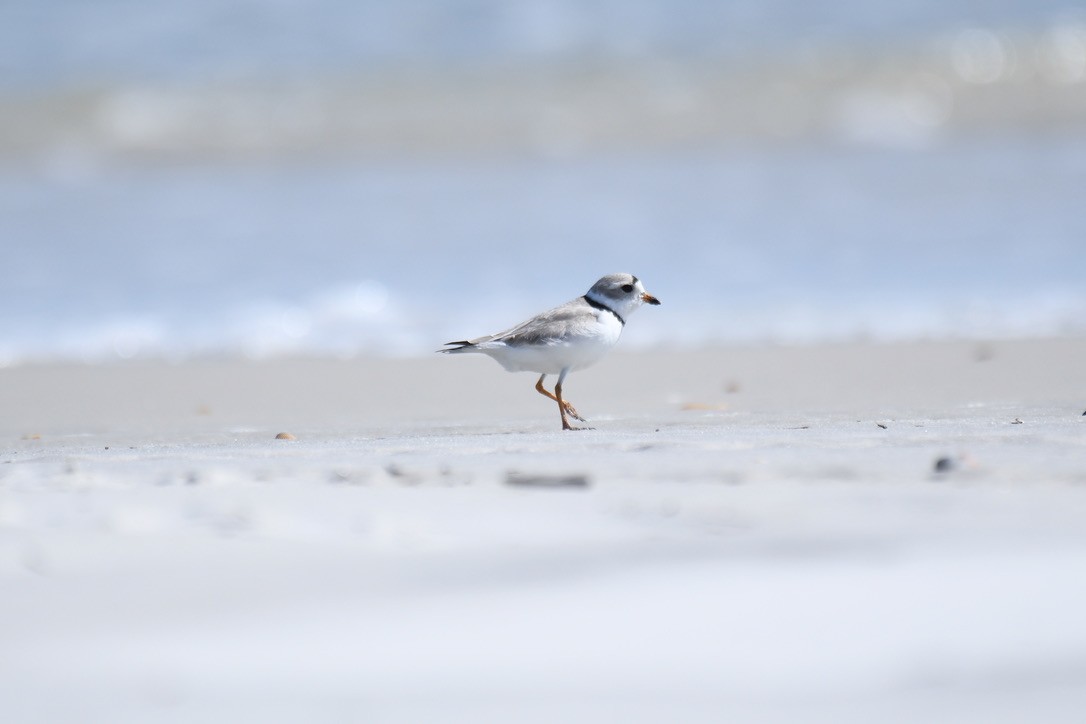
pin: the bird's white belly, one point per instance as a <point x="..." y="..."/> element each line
<point x="575" y="353"/>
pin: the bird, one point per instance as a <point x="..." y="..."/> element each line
<point x="569" y="337"/>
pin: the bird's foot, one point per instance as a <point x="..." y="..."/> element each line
<point x="567" y="426"/>
<point x="572" y="411"/>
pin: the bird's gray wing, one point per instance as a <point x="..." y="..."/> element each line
<point x="547" y="327"/>
<point x="543" y="328"/>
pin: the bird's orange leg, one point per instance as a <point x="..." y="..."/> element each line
<point x="564" y="407"/>
<point x="563" y="404"/>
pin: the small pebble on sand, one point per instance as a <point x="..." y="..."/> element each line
<point x="702" y="407"/>
<point x="546" y="481"/>
<point x="285" y="436"/>
<point x="945" y="465"/>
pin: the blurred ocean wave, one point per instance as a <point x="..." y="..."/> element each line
<point x="980" y="239"/>
<point x="976" y="80"/>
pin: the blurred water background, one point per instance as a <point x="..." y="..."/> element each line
<point x="268" y="177"/>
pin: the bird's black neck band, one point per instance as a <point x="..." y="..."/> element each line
<point x="604" y="308"/>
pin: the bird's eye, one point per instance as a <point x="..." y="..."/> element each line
<point x="627" y="288"/>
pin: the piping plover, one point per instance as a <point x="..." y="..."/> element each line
<point x="566" y="338"/>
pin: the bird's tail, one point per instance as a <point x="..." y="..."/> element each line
<point x="461" y="346"/>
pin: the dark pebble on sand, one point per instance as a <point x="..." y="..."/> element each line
<point x="400" y="475"/>
<point x="945" y="465"/>
<point x="545" y="481"/>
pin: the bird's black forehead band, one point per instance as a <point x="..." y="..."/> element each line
<point x="635" y="279"/>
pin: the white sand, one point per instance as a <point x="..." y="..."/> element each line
<point x="781" y="552"/>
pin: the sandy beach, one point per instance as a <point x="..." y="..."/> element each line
<point x="748" y="534"/>
<point x="838" y="476"/>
